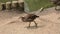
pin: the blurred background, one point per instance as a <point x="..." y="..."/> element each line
<point x="5" y="1"/>
<point x="37" y="4"/>
<point x="33" y="4"/>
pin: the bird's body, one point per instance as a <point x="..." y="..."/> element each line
<point x="29" y="18"/>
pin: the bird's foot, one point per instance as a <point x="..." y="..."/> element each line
<point x="28" y="27"/>
<point x="36" y="26"/>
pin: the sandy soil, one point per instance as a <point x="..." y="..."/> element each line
<point x="48" y="23"/>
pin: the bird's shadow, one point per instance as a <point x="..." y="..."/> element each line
<point x="58" y="17"/>
<point x="33" y="27"/>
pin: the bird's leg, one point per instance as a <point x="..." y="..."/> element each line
<point x="29" y="24"/>
<point x="35" y="23"/>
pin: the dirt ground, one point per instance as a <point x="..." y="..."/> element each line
<point x="48" y="23"/>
